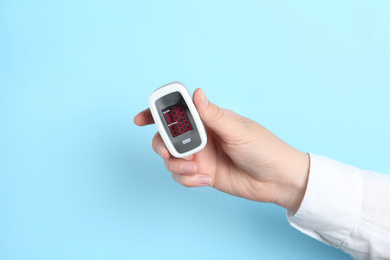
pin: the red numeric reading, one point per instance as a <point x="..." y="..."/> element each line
<point x="177" y="119"/>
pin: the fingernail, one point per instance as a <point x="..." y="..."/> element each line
<point x="160" y="149"/>
<point x="204" y="180"/>
<point x="204" y="98"/>
<point x="188" y="168"/>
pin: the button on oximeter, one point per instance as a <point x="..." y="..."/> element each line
<point x="185" y="141"/>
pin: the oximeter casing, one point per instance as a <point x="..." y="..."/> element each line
<point x="177" y="120"/>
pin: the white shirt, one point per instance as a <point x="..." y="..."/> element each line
<point x="347" y="208"/>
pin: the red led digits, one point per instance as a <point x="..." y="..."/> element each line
<point x="177" y="120"/>
<point x="168" y="118"/>
<point x="183" y="114"/>
<point x="187" y="124"/>
<point x="175" y="115"/>
<point x="174" y="131"/>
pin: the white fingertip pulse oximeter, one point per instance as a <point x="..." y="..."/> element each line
<point x="177" y="120"/>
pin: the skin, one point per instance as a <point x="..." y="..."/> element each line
<point x="241" y="158"/>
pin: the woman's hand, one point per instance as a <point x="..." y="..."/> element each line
<point x="241" y="158"/>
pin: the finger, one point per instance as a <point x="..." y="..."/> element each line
<point x="159" y="146"/>
<point x="144" y="118"/>
<point x="197" y="180"/>
<point x="181" y="166"/>
<point x="189" y="157"/>
<point x="222" y="121"/>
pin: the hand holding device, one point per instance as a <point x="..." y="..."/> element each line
<point x="241" y="158"/>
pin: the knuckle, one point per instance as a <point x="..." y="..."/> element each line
<point x="173" y="166"/>
<point x="168" y="165"/>
<point x="155" y="140"/>
<point x="182" y="180"/>
<point x="216" y="114"/>
<point x="186" y="183"/>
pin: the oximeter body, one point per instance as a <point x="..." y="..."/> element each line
<point x="177" y="120"/>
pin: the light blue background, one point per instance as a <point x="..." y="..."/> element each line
<point x="78" y="180"/>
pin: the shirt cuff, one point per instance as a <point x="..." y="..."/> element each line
<point x="331" y="206"/>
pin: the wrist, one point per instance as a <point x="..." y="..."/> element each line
<point x="293" y="183"/>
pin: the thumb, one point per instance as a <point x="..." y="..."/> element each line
<point x="225" y="123"/>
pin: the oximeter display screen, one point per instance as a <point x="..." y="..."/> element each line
<point x="177" y="119"/>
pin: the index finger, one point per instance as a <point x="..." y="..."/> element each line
<point x="144" y="118"/>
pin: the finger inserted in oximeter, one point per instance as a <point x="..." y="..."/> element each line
<point x="177" y="120"/>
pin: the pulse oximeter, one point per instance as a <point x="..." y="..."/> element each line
<point x="177" y="120"/>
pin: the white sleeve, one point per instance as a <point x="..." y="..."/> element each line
<point x="347" y="208"/>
